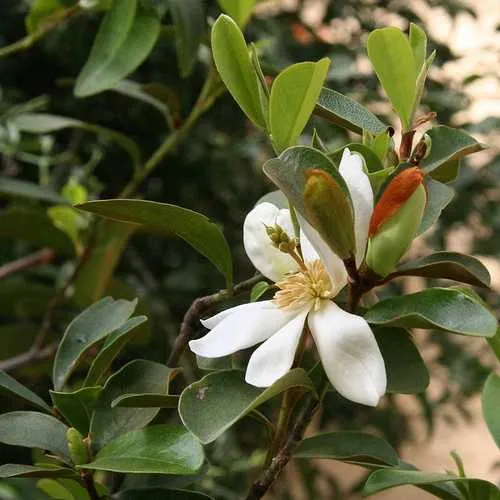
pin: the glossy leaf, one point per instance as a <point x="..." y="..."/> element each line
<point x="170" y="220"/>
<point x="11" y="386"/>
<point x="18" y="470"/>
<point x="34" y="430"/>
<point x="233" y="62"/>
<point x="392" y="58"/>
<point x="436" y="308"/>
<point x="447" y="265"/>
<point x="90" y="326"/>
<point x="491" y="404"/>
<point x="77" y="406"/>
<point x="293" y="97"/>
<point x="159" y="449"/>
<point x="348" y="446"/>
<point x="25" y="189"/>
<point x="111" y="348"/>
<point x="189" y="22"/>
<point x="166" y="493"/>
<point x="405" y="368"/>
<point x="137" y="377"/>
<point x="146" y="401"/>
<point x="448" y="144"/>
<point x="125" y="38"/>
<point x="211" y="405"/>
<point x="439" y="197"/>
<point x="418" y="43"/>
<point x="347" y="113"/>
<point x="239" y="10"/>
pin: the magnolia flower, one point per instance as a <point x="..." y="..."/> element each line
<point x="307" y="283"/>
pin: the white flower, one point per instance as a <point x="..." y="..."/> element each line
<point x="346" y="345"/>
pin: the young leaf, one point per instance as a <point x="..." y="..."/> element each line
<point x="491" y="403"/>
<point x="392" y="58"/>
<point x="439" y="197"/>
<point x="125" y="38"/>
<point x="194" y="228"/>
<point x="239" y="10"/>
<point x="258" y="290"/>
<point x="11" y="386"/>
<point x="435" y="308"/>
<point x="418" y="43"/>
<point x="233" y="62"/>
<point x="211" y="405"/>
<point x="30" y="190"/>
<point x="18" y="470"/>
<point x="159" y="449"/>
<point x="42" y="12"/>
<point x="293" y="97"/>
<point x="86" y="329"/>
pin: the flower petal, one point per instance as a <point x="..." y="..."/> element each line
<point x="264" y="255"/>
<point x="274" y="357"/>
<point x="349" y="353"/>
<point x="313" y="247"/>
<point x="242" y="327"/>
<point x="358" y="183"/>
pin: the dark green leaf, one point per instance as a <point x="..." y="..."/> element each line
<point x="436" y="308"/>
<point x="447" y="172"/>
<point x="447" y="265"/>
<point x="491" y="404"/>
<point x="111" y="348"/>
<point x="293" y="96"/>
<point x="77" y="407"/>
<point x="165" y="493"/>
<point x="18" y="470"/>
<point x="448" y="144"/>
<point x="214" y="364"/>
<point x="239" y="10"/>
<point x="137" y="377"/>
<point x="159" y="449"/>
<point x="90" y="326"/>
<point x="233" y="62"/>
<point x="34" y="430"/>
<point x="406" y="370"/>
<point x="125" y="38"/>
<point x="347" y="113"/>
<point x="189" y="22"/>
<point x="10" y="385"/>
<point x="196" y="229"/>
<point x="372" y="161"/>
<point x="24" y="189"/>
<point x="213" y="404"/>
<point x="438" y="197"/>
<point x="146" y="401"/>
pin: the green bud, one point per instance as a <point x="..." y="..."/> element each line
<point x="329" y="210"/>
<point x="77" y="448"/>
<point x="394" y="238"/>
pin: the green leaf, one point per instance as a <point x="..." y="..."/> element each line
<point x="447" y="265"/>
<point x="34" y="430"/>
<point x="11" y="386"/>
<point x="137" y="377"/>
<point x="372" y="161"/>
<point x="439" y="197"/>
<point x="90" y="326"/>
<point x="392" y="58"/>
<point x="44" y="123"/>
<point x="214" y="364"/>
<point x="405" y="368"/>
<point x="169" y="220"/>
<point x="418" y="43"/>
<point x="189" y="22"/>
<point x="436" y="308"/>
<point x="348" y="446"/>
<point x="159" y="449"/>
<point x="63" y="489"/>
<point x="239" y="10"/>
<point x="146" y="401"/>
<point x="125" y="38"/>
<point x="41" y="13"/>
<point x="447" y="172"/>
<point x="347" y="113"/>
<point x="70" y="221"/>
<point x="166" y="493"/>
<point x="448" y="144"/>
<point x="214" y="403"/>
<point x="491" y="403"/>
<point x="233" y="62"/>
<point x="77" y="407"/>
<point x="258" y="290"/>
<point x="293" y="97"/>
<point x="24" y="189"/>
<point x="18" y="470"/>
<point x="111" y="348"/>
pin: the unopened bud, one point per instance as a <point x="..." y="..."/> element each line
<point x="329" y="210"/>
<point x="279" y="236"/>
<point x="77" y="448"/>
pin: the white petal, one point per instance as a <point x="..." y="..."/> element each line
<point x="351" y="169"/>
<point x="313" y="247"/>
<point x="264" y="255"/>
<point x="349" y="353"/>
<point x="241" y="327"/>
<point x="274" y="357"/>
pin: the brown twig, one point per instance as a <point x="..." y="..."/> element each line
<point x="88" y="481"/>
<point x="43" y="256"/>
<point x="196" y="310"/>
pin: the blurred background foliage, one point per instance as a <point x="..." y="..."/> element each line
<point x="216" y="171"/>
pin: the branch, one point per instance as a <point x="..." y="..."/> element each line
<point x="196" y="310"/>
<point x="43" y="256"/>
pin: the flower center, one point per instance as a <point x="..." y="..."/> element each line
<point x="307" y="287"/>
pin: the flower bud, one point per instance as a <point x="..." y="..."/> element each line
<point x="395" y="221"/>
<point x="77" y="449"/>
<point x="329" y="210"/>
